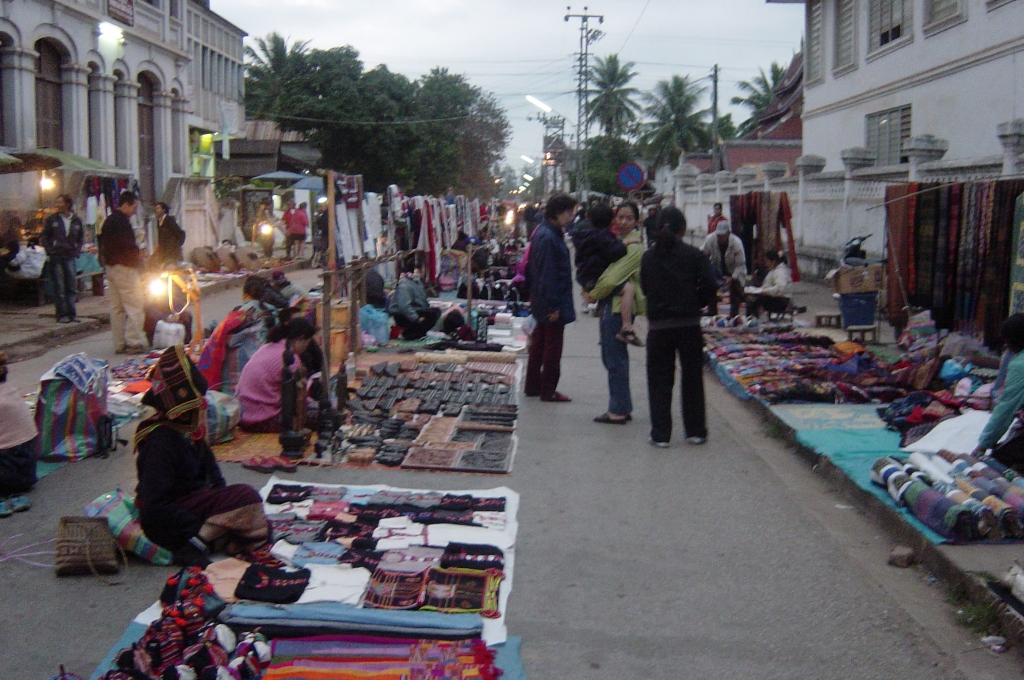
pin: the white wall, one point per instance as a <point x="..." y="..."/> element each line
<point x="960" y="82"/>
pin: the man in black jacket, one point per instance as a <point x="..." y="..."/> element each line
<point x="680" y="284"/>
<point x="62" y="239"/>
<point x="169" y="238"/>
<point x="122" y="262"/>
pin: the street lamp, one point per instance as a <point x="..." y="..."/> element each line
<point x="528" y="159"/>
<point x="538" y="103"/>
<point x="527" y="176"/>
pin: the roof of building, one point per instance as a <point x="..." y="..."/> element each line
<point x="269" y="129"/>
<point x="783" y="119"/>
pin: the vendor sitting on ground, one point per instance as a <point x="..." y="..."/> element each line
<point x="410" y="308"/>
<point x="772" y="294"/>
<point x="184" y="503"/>
<point x="259" y="386"/>
<point x="288" y="290"/>
<point x="18" y="447"/>
<point x="28" y="261"/>
<point x="1010" y="452"/>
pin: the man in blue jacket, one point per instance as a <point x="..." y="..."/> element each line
<point x="62" y="238"/>
<point x="549" y="275"/>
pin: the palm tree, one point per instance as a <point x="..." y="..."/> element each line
<point x="612" y="103"/>
<point x="675" y="123"/>
<point x="272" y="65"/>
<point x="760" y="91"/>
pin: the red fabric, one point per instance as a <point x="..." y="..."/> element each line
<point x="211" y="363"/>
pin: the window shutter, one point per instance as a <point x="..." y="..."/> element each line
<point x="942" y="9"/>
<point x="814" y="50"/>
<point x="844" y="55"/>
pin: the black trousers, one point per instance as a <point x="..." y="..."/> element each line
<point x="662" y="347"/>
<point x="417" y="330"/>
<point x="772" y="304"/>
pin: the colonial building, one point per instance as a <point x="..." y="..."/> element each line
<point x="133" y="84"/>
<point x="912" y="80"/>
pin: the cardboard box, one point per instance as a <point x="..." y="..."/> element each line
<point x="867" y="279"/>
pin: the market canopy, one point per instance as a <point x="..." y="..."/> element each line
<point x="281" y="175"/>
<point x="310" y="183"/>
<point x="73" y="163"/>
<point x="13" y="161"/>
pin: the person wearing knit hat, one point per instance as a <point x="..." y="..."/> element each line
<point x="184" y="503"/>
<point x="725" y="251"/>
<point x="18" y="447"/>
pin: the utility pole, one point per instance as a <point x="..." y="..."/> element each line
<point x="716" y="152"/>
<point x="587" y="35"/>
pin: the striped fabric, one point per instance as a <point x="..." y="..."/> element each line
<point x="72" y="399"/>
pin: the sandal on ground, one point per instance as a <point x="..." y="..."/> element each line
<point x="607" y="418"/>
<point x="5" y="508"/>
<point x="557" y="396"/>
<point x="629" y="338"/>
<point x="283" y="464"/>
<point x="20" y="503"/>
<point x="259" y="464"/>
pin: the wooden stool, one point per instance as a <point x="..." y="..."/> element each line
<point x="860" y="334"/>
<point x="827" y="320"/>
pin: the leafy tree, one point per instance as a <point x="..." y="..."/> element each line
<point x="675" y="123"/>
<point x="612" y="102"/>
<point x="760" y="91"/>
<point x="726" y="128"/>
<point x="605" y="155"/>
<point x="272" y="67"/>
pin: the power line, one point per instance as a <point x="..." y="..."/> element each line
<point x="635" y="25"/>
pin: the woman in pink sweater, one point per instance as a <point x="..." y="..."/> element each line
<point x="259" y="386"/>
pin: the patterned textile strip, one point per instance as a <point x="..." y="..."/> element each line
<point x="967" y="225"/>
<point x="938" y="293"/>
<point x="981" y="295"/>
<point x="899" y="228"/>
<point x="786" y="219"/>
<point x="924" y="248"/>
<point x="953" y="259"/>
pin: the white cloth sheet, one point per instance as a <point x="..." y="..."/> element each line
<point x="959" y="435"/>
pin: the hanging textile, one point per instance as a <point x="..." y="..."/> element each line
<point x="758" y="218"/>
<point x="899" y="217"/>
<point x="1016" y="301"/>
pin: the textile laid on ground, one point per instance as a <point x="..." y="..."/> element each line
<point x="353" y="558"/>
<point x="356" y="657"/>
<point x="950" y="251"/>
<point x="777" y="365"/>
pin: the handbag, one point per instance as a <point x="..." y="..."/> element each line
<point x="85" y="546"/>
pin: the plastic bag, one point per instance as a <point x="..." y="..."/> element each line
<point x="223" y="412"/>
<point x="123" y="518"/>
<point x="168" y="334"/>
<point x="952" y="372"/>
<point x="376" y="322"/>
<point x="529" y="325"/>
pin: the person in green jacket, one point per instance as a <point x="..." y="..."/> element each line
<point x="608" y="293"/>
<point x="1010" y="402"/>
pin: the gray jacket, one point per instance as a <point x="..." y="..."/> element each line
<point x="409" y="301"/>
<point x="735" y="258"/>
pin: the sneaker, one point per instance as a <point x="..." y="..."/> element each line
<point x="696" y="441"/>
<point x="660" y="445"/>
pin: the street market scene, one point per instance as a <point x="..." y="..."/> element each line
<point x="646" y="339"/>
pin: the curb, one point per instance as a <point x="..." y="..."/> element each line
<point x="96" y="322"/>
<point x="940" y="565"/>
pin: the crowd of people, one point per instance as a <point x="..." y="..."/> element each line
<point x="672" y="283"/>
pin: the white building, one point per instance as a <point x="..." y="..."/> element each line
<point x="880" y="72"/>
<point x="123" y="82"/>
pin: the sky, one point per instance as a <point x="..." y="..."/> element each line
<point x="513" y="48"/>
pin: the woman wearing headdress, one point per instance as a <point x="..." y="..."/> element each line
<point x="184" y="503"/>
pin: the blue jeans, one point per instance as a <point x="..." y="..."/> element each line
<point x="615" y="357"/>
<point x="65" y="286"/>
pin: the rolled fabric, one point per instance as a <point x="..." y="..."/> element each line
<point x="1009" y="518"/>
<point x="924" y="463"/>
<point x="988" y="525"/>
<point x="941" y="514"/>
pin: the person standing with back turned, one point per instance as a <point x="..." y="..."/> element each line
<point x="122" y="261"/>
<point x="549" y="274"/>
<point x="679" y="283"/>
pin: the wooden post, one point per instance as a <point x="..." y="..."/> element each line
<point x="332" y="224"/>
<point x="470" y="280"/>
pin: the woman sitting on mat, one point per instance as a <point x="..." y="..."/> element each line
<point x="184" y="503"/>
<point x="259" y="386"/>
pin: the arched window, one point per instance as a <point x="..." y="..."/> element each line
<point x="147" y="138"/>
<point x="49" y="100"/>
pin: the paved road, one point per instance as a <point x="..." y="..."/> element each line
<point x="730" y="560"/>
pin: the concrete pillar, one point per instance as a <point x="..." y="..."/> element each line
<point x="703" y="179"/>
<point x="126" y="125"/>
<point x="744" y="176"/>
<point x="773" y="170"/>
<point x="18" y="71"/>
<point x="805" y="165"/>
<point x="101" y="118"/>
<point x="75" y="94"/>
<point x="1011" y="135"/>
<point x="164" y="138"/>
<point x="722" y="178"/>
<point x="854" y="158"/>
<point x="179" y="136"/>
<point x="685" y="175"/>
<point x="922" y="149"/>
